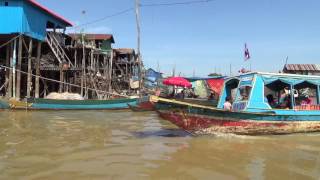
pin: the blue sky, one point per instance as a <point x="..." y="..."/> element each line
<point x="208" y="37"/>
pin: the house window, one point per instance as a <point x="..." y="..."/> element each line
<point x="6" y="3"/>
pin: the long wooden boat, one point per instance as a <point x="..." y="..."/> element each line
<point x="251" y="114"/>
<point x="50" y="104"/>
<point x="146" y="104"/>
<point x="143" y="104"/>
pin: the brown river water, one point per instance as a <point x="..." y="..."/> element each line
<point x="131" y="145"/>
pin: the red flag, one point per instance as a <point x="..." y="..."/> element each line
<point x="246" y="52"/>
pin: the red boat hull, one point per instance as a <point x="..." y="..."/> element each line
<point x="207" y="125"/>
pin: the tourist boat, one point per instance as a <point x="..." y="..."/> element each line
<point x="52" y="104"/>
<point x="252" y="113"/>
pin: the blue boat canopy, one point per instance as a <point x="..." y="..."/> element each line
<point x="289" y="80"/>
<point x="279" y="93"/>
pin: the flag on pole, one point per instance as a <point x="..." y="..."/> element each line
<point x="246" y="52"/>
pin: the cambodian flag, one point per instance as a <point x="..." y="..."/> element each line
<point x="246" y="52"/>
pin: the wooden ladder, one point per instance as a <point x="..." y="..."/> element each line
<point x="56" y="48"/>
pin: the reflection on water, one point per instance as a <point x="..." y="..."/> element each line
<point x="128" y="145"/>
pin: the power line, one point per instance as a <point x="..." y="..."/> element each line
<point x="141" y="5"/>
<point x="104" y="18"/>
<point x="176" y="3"/>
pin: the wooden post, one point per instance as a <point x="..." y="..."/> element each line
<point x="75" y="57"/>
<point x="9" y="91"/>
<point x="29" y="79"/>
<point x="110" y="71"/>
<point x="37" y="84"/>
<point x="61" y="78"/>
<point x="104" y="66"/>
<point x="292" y="96"/>
<point x="83" y="66"/>
<point x="14" y="61"/>
<point x="8" y="70"/>
<point x="318" y="94"/>
<point x="18" y="90"/>
<point x="92" y="60"/>
<point x="45" y="87"/>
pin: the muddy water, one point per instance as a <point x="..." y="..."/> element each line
<point x="128" y="145"/>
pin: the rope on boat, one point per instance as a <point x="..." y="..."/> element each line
<point x="74" y="85"/>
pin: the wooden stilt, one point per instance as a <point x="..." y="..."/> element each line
<point x="105" y="66"/>
<point x="8" y="70"/>
<point x="18" y="89"/>
<point x="61" y="79"/>
<point x="110" y="72"/>
<point x="37" y="84"/>
<point x="75" y="58"/>
<point x="29" y="79"/>
<point x="91" y="59"/>
<point x="14" y="62"/>
<point x="9" y="90"/>
<point x="83" y="67"/>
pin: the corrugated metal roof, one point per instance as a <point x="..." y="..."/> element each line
<point x="302" y="67"/>
<point x="43" y="8"/>
<point x="93" y="36"/>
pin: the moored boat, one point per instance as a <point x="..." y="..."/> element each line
<point x="143" y="104"/>
<point x="52" y="104"/>
<point x="254" y="111"/>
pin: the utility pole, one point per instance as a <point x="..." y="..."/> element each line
<point x="137" y="10"/>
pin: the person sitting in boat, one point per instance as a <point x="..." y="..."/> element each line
<point x="211" y="96"/>
<point x="227" y="105"/>
<point x="171" y="95"/>
<point x="191" y="93"/>
<point x="283" y="95"/>
<point x="271" y="101"/>
<point x="306" y="100"/>
<point x="286" y="103"/>
<point x="181" y="94"/>
<point x="157" y="92"/>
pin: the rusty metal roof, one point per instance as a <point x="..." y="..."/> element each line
<point x="302" y="67"/>
<point x="93" y="36"/>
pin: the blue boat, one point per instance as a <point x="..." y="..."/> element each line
<point x="261" y="103"/>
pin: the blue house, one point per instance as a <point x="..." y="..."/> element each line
<point x="29" y="18"/>
<point x="29" y="23"/>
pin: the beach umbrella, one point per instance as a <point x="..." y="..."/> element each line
<point x="177" y="81"/>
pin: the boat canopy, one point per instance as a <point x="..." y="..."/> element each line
<point x="290" y="80"/>
<point x="249" y="92"/>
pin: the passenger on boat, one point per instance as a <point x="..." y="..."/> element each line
<point x="283" y="96"/>
<point x="181" y="94"/>
<point x="271" y="101"/>
<point x="157" y="92"/>
<point x="227" y="105"/>
<point x="211" y="96"/>
<point x="286" y="104"/>
<point x="306" y="101"/>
